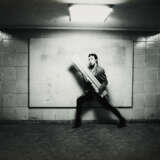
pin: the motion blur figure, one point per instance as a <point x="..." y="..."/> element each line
<point x="90" y="92"/>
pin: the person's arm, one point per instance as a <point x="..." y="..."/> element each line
<point x="103" y="80"/>
<point x="86" y="84"/>
<point x="83" y="77"/>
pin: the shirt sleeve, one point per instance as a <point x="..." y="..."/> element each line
<point x="102" y="77"/>
<point x="103" y="80"/>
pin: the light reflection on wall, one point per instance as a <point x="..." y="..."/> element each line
<point x="5" y="38"/>
<point x="148" y="41"/>
<point x="154" y="37"/>
<point x="4" y="35"/>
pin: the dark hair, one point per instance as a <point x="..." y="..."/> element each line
<point x="94" y="55"/>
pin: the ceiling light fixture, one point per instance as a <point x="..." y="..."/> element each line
<point x="89" y="13"/>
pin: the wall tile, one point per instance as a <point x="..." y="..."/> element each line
<point x="139" y="60"/>
<point x="151" y="60"/>
<point x="22" y="100"/>
<point x="152" y="50"/>
<point x="8" y="59"/>
<point x="1" y="97"/>
<point x="50" y="114"/>
<point x="1" y="113"/>
<point x="159" y="60"/>
<point x="140" y="39"/>
<point x="9" y="73"/>
<point x="152" y="113"/>
<point x="35" y="114"/>
<point x="22" y="113"/>
<point x="141" y="50"/>
<point x="150" y="86"/>
<point x="1" y="59"/>
<point x="21" y="45"/>
<point x="158" y="100"/>
<point x="9" y="113"/>
<point x="90" y="115"/>
<point x="71" y="114"/>
<point x="7" y="46"/>
<point x="150" y="100"/>
<point x="140" y="45"/>
<point x="21" y="73"/>
<point x="126" y="113"/>
<point x="0" y="86"/>
<point x="22" y="86"/>
<point x="138" y="87"/>
<point x="159" y="75"/>
<point x="1" y="74"/>
<point x="138" y="75"/>
<point x="9" y="86"/>
<point x="152" y="39"/>
<point x="21" y="59"/>
<point x="138" y="114"/>
<point x="15" y="113"/>
<point x="158" y="86"/>
<point x="9" y="100"/>
<point x="57" y="114"/>
<point x="14" y="45"/>
<point x="151" y="74"/>
<point x="138" y="101"/>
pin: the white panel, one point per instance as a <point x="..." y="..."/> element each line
<point x="53" y="85"/>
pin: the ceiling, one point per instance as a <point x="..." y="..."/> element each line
<point x="127" y="14"/>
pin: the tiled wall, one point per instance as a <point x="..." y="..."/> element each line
<point x="13" y="78"/>
<point x="14" y="83"/>
<point x="146" y="78"/>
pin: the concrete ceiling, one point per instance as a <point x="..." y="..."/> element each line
<point x="127" y="15"/>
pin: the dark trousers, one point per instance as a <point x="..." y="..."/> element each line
<point x="103" y="101"/>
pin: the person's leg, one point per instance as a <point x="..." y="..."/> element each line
<point x="80" y="102"/>
<point x="77" y="122"/>
<point x="105" y="102"/>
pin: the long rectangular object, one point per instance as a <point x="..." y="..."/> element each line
<point x="88" y="74"/>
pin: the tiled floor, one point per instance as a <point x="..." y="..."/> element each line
<point x="137" y="141"/>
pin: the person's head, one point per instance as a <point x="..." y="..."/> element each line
<point x="92" y="59"/>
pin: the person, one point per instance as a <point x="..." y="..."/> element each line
<point x="90" y="92"/>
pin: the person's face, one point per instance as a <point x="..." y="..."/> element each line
<point x="91" y="60"/>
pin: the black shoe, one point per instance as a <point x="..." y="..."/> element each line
<point x="122" y="124"/>
<point x="76" y="126"/>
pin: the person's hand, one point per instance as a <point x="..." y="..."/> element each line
<point x="101" y="89"/>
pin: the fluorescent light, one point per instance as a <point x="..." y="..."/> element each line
<point x="89" y="13"/>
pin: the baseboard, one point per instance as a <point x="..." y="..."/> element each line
<point x="71" y="121"/>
